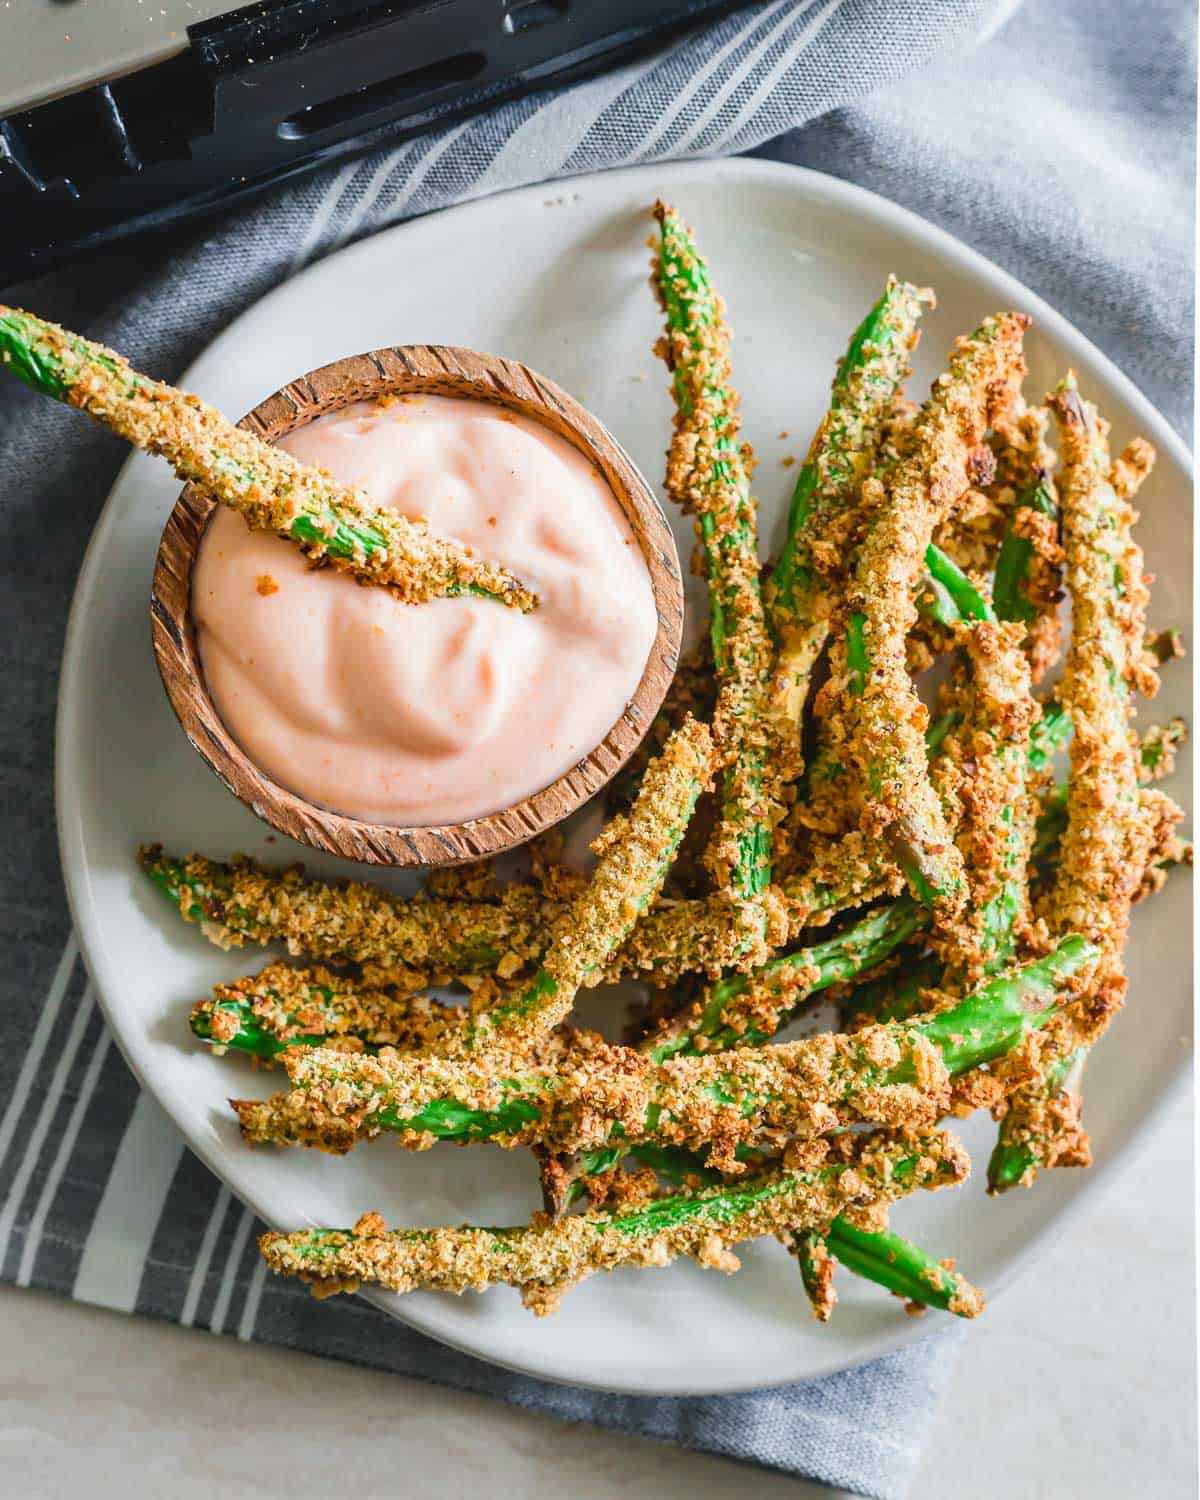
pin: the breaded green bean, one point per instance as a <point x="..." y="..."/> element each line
<point x="1043" y="1125"/>
<point x="878" y="1255"/>
<point x="272" y="490"/>
<point x="635" y="854"/>
<point x="886" y="1258"/>
<point x="547" y="1257"/>
<point x="803" y="587"/>
<point x="886" y="719"/>
<point x="811" y="1251"/>
<point x="1104" y="847"/>
<point x="829" y="804"/>
<point x="708" y="477"/>
<point x="444" y="937"/>
<point x="1156" y="760"/>
<point x="241" y="902"/>
<point x="746" y="1009"/>
<point x="1110" y="835"/>
<point x="598" y="1094"/>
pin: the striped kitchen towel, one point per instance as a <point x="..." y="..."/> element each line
<point x="102" y="1200"/>
<point x="98" y="1197"/>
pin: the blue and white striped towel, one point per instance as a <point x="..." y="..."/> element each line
<point x="98" y="1197"/>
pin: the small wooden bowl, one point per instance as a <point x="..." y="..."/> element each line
<point x="438" y="370"/>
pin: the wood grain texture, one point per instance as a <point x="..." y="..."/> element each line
<point x="439" y="370"/>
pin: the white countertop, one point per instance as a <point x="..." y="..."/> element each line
<point x="1079" y="1381"/>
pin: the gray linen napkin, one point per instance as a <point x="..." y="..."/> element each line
<point x="1063" y="148"/>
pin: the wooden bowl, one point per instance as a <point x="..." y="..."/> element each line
<point x="438" y="370"/>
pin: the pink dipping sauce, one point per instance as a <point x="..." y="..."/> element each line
<point x="453" y="709"/>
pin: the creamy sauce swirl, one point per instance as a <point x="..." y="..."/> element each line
<point x="458" y="708"/>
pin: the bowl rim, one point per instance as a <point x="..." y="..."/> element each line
<point x="431" y="369"/>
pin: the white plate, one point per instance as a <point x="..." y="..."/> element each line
<point x="557" y="276"/>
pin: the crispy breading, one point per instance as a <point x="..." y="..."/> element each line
<point x="471" y="882"/>
<point x="983" y="772"/>
<point x="817" y="1267"/>
<point x="681" y="937"/>
<point x="1007" y="465"/>
<point x="693" y="691"/>
<point x="1030" y="562"/>
<point x="1158" y="748"/>
<point x="1132" y="467"/>
<point x="288" y="1003"/>
<point x="842" y="872"/>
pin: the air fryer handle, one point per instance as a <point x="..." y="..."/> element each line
<point x="307" y="71"/>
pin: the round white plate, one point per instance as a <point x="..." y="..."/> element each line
<point x="557" y="276"/>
